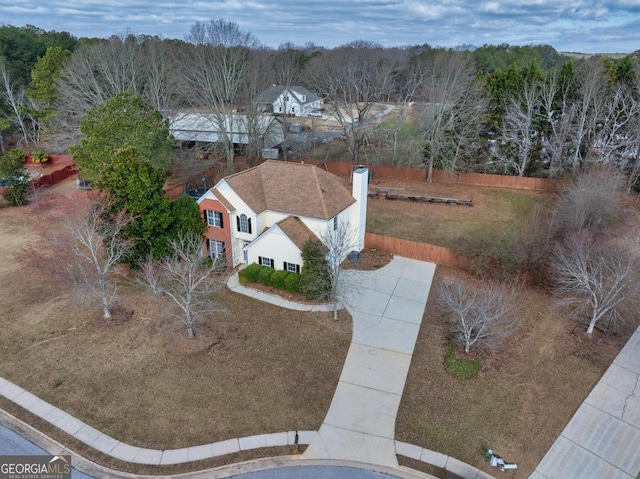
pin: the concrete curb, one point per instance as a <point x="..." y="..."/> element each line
<point x="440" y="460"/>
<point x="154" y="457"/>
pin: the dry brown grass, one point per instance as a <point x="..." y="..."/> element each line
<point x="256" y="369"/>
<point x="445" y="225"/>
<point x="262" y="369"/>
<point x="524" y="396"/>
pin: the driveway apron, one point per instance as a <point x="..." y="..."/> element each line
<point x="387" y="306"/>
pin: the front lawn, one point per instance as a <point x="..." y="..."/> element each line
<point x="257" y="369"/>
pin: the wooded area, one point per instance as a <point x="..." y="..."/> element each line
<point x="515" y="110"/>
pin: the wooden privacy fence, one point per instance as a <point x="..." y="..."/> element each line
<point x="414" y="250"/>
<point x="54" y="177"/>
<point x="343" y="168"/>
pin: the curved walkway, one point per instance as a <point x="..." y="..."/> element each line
<point x="387" y="307"/>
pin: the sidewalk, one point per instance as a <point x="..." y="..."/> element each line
<point x="602" y="440"/>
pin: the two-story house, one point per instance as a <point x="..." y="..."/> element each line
<point x="292" y="101"/>
<point x="267" y="213"/>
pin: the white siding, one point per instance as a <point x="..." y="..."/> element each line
<point x="240" y="208"/>
<point x="359" y="212"/>
<point x="276" y="245"/>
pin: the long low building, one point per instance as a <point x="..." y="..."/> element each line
<point x="265" y="130"/>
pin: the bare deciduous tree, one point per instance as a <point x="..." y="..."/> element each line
<point x="479" y="312"/>
<point x="602" y="278"/>
<point x="352" y="78"/>
<point x="446" y="76"/>
<point x="215" y="68"/>
<point x="162" y="80"/>
<point x="592" y="201"/>
<point x="591" y="91"/>
<point x="188" y="277"/>
<point x="340" y="239"/>
<point x="557" y="119"/>
<point x="98" y="247"/>
<point x="20" y="105"/>
<point x="287" y="64"/>
<point x="518" y="136"/>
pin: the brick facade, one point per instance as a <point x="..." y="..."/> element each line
<point x="217" y="233"/>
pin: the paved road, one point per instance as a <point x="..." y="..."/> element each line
<point x="11" y="443"/>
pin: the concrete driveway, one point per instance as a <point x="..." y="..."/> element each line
<point x="387" y="306"/>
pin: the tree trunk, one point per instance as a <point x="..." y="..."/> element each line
<point x="107" y="312"/>
<point x="592" y="324"/>
<point x="430" y="172"/>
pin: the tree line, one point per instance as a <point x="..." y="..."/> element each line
<point x="520" y="110"/>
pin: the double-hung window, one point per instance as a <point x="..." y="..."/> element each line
<point x="214" y="218"/>
<point x="264" y="261"/>
<point x="216" y="249"/>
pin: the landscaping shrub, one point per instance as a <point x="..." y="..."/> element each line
<point x="39" y="156"/>
<point x="264" y="276"/>
<point x="242" y="276"/>
<point x="315" y="279"/>
<point x="292" y="283"/>
<point x="278" y="278"/>
<point x="252" y="271"/>
<point x="17" y="155"/>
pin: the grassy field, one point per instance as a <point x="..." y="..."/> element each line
<point x="256" y="369"/>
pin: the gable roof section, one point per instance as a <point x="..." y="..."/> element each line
<point x="215" y="194"/>
<point x="293" y="188"/>
<point x="296" y="230"/>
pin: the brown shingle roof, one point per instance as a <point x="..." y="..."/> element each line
<point x="293" y="188"/>
<point x="222" y="199"/>
<point x="296" y="230"/>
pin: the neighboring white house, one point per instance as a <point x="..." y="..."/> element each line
<point x="205" y="127"/>
<point x="266" y="214"/>
<point x="293" y="101"/>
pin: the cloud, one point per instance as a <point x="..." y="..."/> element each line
<point x="583" y="25"/>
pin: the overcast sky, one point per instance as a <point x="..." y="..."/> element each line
<point x="589" y="26"/>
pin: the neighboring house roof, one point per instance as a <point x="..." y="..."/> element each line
<point x="205" y="127"/>
<point x="272" y="93"/>
<point x="296" y="230"/>
<point x="294" y="188"/>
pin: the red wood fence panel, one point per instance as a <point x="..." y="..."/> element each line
<point x="414" y="250"/>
